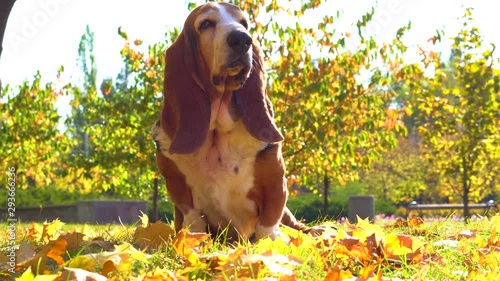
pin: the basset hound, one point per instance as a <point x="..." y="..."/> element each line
<point x="218" y="146"/>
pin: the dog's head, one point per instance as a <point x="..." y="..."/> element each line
<point x="214" y="55"/>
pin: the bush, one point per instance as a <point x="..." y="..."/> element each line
<point x="48" y="196"/>
<point x="383" y="207"/>
<point x="165" y="210"/>
<point x="310" y="206"/>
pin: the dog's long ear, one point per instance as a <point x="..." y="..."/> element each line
<point x="254" y="104"/>
<point x="186" y="110"/>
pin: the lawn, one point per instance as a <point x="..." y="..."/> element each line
<point x="387" y="250"/>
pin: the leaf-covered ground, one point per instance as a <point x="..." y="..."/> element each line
<point x="387" y="250"/>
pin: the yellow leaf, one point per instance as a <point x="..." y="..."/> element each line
<point x="370" y="228"/>
<point x="50" y="229"/>
<point x="192" y="259"/>
<point x="26" y="276"/>
<point x="144" y="220"/>
<point x="367" y="271"/>
<point x="83" y="262"/>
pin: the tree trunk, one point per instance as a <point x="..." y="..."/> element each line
<point x="155" y="200"/>
<point x="5" y="7"/>
<point x="466" y="167"/>
<point x="326" y="189"/>
<point x="465" y="197"/>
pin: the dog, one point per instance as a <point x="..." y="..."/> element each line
<point x="218" y="146"/>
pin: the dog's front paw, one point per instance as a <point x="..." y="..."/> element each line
<point x="272" y="232"/>
<point x="195" y="222"/>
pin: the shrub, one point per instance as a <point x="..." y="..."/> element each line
<point x="310" y="206"/>
<point x="165" y="210"/>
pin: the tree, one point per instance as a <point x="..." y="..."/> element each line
<point x="121" y="148"/>
<point x="404" y="174"/>
<point x="31" y="141"/>
<point x="83" y="99"/>
<point x="5" y="8"/>
<point x="460" y="103"/>
<point x="331" y="101"/>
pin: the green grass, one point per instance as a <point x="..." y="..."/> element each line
<point x="447" y="250"/>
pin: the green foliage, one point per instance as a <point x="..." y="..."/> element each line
<point x="333" y="95"/>
<point x="309" y="206"/>
<point x="404" y="175"/>
<point x="165" y="210"/>
<point x="53" y="194"/>
<point x="31" y="141"/>
<point x="460" y="115"/>
<point x="333" y="108"/>
<point x="384" y="207"/>
<point x="120" y="148"/>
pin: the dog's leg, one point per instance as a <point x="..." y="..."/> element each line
<point x="269" y="191"/>
<point x="179" y="192"/>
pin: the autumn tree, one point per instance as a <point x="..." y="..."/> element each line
<point x="119" y="121"/>
<point x="331" y="99"/>
<point x="83" y="97"/>
<point x="31" y="140"/>
<point x="404" y="174"/>
<point x="460" y="103"/>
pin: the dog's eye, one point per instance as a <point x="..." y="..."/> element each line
<point x="206" y="24"/>
<point x="244" y="23"/>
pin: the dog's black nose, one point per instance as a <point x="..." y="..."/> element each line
<point x="239" y="41"/>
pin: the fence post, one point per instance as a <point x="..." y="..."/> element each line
<point x="362" y="206"/>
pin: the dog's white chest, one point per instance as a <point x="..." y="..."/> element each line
<point x="220" y="176"/>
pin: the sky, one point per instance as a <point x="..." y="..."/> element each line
<point x="44" y="34"/>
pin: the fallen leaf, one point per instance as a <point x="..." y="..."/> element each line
<point x="186" y="242"/>
<point x="275" y="263"/>
<point x="50" y="230"/>
<point x="447" y="243"/>
<point x="153" y="236"/>
<point x="26" y="251"/>
<point x="78" y="274"/>
<point x="108" y="267"/>
<point x="29" y="276"/>
<point x="57" y="250"/>
<point x="53" y="250"/>
<point x="105" y="246"/>
<point x="416" y="221"/>
<point x="338" y="275"/>
<point x="144" y="220"/>
<point x="73" y="240"/>
<point x="466" y="234"/>
<point x="399" y="246"/>
<point x="83" y="262"/>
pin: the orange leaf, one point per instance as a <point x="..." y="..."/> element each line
<point x="296" y="241"/>
<point x="57" y="250"/>
<point x="186" y="242"/>
<point x="338" y="275"/>
<point x="107" y="268"/>
<point x="367" y="271"/>
<point x="416" y="221"/>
